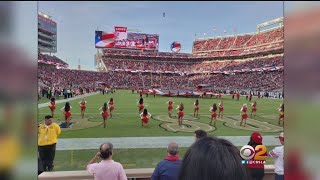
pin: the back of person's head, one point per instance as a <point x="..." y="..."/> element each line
<point x="141" y="101"/>
<point x="67" y="107"/>
<point x="200" y="134"/>
<point x="52" y="99"/>
<point x="214" y="107"/>
<point x="106" y="150"/>
<point x="181" y="107"/>
<point x="105" y="107"/>
<point x="212" y="158"/>
<point x="173" y="149"/>
<point x="145" y="112"/>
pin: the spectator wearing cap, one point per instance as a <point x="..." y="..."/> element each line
<point x="256" y="170"/>
<point x="168" y="169"/>
<point x="277" y="154"/>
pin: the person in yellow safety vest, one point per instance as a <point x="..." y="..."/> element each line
<point x="48" y="133"/>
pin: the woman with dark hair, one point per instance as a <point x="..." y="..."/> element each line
<point x="145" y="117"/>
<point x="196" y="108"/>
<point x="213" y="111"/>
<point x="254" y="109"/>
<point x="140" y="105"/>
<point x="52" y="106"/>
<point x="180" y="109"/>
<point x="256" y="170"/>
<point x="212" y="158"/>
<point x="111" y="106"/>
<point x="67" y="113"/>
<point x="281" y="114"/>
<point x="104" y="113"/>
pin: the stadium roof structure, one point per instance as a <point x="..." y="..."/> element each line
<point x="44" y="15"/>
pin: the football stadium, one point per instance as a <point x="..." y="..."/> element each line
<point x="229" y="86"/>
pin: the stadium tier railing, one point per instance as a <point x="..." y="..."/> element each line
<point x="137" y="174"/>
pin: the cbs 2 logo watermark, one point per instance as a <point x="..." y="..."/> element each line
<point x="257" y="155"/>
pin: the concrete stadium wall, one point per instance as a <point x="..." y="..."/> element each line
<point x="132" y="174"/>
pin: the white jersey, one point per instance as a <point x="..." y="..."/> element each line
<point x="277" y="154"/>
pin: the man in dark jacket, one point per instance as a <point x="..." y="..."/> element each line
<point x="168" y="169"/>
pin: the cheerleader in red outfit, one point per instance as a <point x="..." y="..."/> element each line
<point x="140" y="105"/>
<point x="145" y="117"/>
<point x="254" y="109"/>
<point x="220" y="113"/>
<point x="111" y="106"/>
<point x="180" y="109"/>
<point x="213" y="111"/>
<point x="52" y="106"/>
<point x="244" y="114"/>
<point x="104" y="114"/>
<point x="67" y="113"/>
<point x="83" y="106"/>
<point x="170" y="107"/>
<point x="281" y="114"/>
<point x="196" y="108"/>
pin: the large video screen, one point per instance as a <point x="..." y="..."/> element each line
<point x="47" y="24"/>
<point x="126" y="41"/>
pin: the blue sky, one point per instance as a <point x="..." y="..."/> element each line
<point x="77" y="21"/>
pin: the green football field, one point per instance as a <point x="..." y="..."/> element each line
<point x="126" y="121"/>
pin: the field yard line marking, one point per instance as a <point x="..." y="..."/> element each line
<point x="66" y="100"/>
<point x="169" y="126"/>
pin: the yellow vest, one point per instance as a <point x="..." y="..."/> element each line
<point x="48" y="135"/>
<point x="9" y="152"/>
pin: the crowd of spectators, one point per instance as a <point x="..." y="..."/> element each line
<point x="52" y="59"/>
<point x="185" y="66"/>
<point x="267" y="81"/>
<point x="239" y="41"/>
<point x="74" y="80"/>
<point x="240" y="44"/>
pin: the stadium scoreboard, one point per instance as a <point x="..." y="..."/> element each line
<point x="122" y="39"/>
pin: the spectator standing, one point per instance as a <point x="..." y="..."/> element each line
<point x="256" y="170"/>
<point x="48" y="133"/>
<point x="277" y="154"/>
<point x="106" y="169"/>
<point x="168" y="169"/>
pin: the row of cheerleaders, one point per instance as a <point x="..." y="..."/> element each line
<point x="105" y="110"/>
<point x="215" y="110"/>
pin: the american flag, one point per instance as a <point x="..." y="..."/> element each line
<point x="106" y="40"/>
